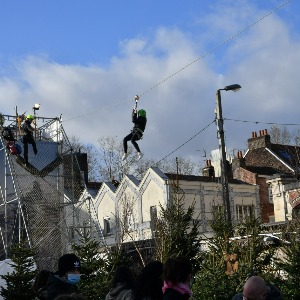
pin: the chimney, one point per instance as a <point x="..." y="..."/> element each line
<point x="238" y="161"/>
<point x="261" y="141"/>
<point x="115" y="182"/>
<point x="208" y="170"/>
<point x="254" y="135"/>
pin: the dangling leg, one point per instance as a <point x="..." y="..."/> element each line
<point x="136" y="137"/>
<point x="134" y="143"/>
<point x="125" y="140"/>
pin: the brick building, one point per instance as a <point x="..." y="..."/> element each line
<point x="261" y="164"/>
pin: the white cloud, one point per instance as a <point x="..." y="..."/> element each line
<point x="97" y="101"/>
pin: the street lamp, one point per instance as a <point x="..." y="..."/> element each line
<point x="222" y="149"/>
<point x="35" y="108"/>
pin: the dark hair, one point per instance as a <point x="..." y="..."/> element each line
<point x="123" y="275"/>
<point x="149" y="282"/>
<point x="41" y="280"/>
<point x="177" y="269"/>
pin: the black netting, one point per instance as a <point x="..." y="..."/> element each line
<point x="43" y="202"/>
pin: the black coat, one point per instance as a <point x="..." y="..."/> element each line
<point x="171" y="294"/>
<point x="274" y="294"/>
<point x="59" y="286"/>
<point x="27" y="128"/>
<point x="139" y="122"/>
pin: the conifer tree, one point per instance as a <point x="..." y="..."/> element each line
<point x="176" y="230"/>
<point x="1" y="120"/>
<point x="97" y="266"/>
<point x="215" y="280"/>
<point x="19" y="282"/>
<point x="289" y="277"/>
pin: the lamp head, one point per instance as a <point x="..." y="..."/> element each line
<point x="232" y="87"/>
<point x="36" y="106"/>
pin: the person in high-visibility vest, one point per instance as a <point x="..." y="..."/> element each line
<point x="28" y="137"/>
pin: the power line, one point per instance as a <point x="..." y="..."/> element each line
<point x="191" y="63"/>
<point x="259" y="122"/>
<point x="186" y="142"/>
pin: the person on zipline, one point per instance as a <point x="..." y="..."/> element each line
<point x="139" y="119"/>
<point x="28" y="138"/>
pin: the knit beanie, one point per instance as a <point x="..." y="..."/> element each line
<point x="68" y="262"/>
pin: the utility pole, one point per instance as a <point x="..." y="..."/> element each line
<point x="222" y="150"/>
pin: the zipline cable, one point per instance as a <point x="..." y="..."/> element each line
<point x="218" y="46"/>
<point x="191" y="63"/>
<point x="186" y="142"/>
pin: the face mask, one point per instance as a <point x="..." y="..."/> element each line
<point x="73" y="278"/>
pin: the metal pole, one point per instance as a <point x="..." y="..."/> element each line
<point x="5" y="201"/>
<point x="224" y="175"/>
<point x="34" y="112"/>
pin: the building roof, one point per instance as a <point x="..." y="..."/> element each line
<point x="159" y="172"/>
<point x="111" y="186"/>
<point x="93" y="188"/>
<point x="94" y="185"/>
<point x="174" y="176"/>
<point x="266" y="158"/>
<point x="133" y="179"/>
<point x="287" y="153"/>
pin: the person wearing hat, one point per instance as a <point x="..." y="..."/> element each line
<point x="64" y="281"/>
<point x="139" y="119"/>
<point x="28" y="137"/>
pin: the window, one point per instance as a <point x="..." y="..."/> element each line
<point x="128" y="222"/>
<point x="285" y="154"/>
<point x="270" y="194"/>
<point x="244" y="211"/>
<point x="106" y="228"/>
<point x="218" y="210"/>
<point x="153" y="217"/>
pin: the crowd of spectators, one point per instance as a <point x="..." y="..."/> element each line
<point x="171" y="280"/>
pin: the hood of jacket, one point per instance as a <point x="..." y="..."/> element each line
<point x="119" y="292"/>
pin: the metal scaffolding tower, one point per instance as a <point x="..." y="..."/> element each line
<point x="42" y="202"/>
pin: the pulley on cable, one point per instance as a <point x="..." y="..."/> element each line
<point x="136" y="98"/>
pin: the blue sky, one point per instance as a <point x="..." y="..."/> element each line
<point x="87" y="59"/>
